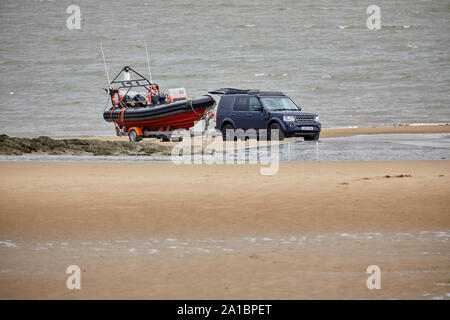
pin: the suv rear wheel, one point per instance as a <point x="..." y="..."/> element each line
<point x="224" y="130"/>
<point x="275" y="126"/>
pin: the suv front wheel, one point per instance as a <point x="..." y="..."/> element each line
<point x="275" y="126"/>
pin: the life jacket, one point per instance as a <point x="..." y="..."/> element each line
<point x="113" y="96"/>
<point x="153" y="91"/>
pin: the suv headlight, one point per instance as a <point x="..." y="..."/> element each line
<point x="316" y="118"/>
<point x="288" y="118"/>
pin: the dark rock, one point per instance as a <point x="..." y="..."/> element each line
<point x="43" y="144"/>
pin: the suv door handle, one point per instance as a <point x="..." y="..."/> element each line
<point x="249" y="114"/>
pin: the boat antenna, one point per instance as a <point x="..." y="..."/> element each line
<point x="148" y="62"/>
<point x="106" y="68"/>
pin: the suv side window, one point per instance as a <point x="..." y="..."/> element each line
<point x="242" y="104"/>
<point x="254" y="102"/>
<point x="225" y="103"/>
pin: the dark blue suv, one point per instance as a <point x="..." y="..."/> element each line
<point x="254" y="109"/>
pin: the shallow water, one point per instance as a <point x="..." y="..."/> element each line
<point x="425" y="243"/>
<point x="318" y="52"/>
<point x="383" y="147"/>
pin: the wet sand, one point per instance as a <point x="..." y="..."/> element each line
<point x="346" y="132"/>
<point x="327" y="133"/>
<point x="155" y="230"/>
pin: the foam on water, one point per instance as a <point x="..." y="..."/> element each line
<point x="8" y="244"/>
<point x="388" y="240"/>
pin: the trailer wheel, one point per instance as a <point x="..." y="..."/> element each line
<point x="133" y="136"/>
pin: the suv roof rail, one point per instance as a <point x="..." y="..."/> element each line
<point x="233" y="91"/>
<point x="226" y="91"/>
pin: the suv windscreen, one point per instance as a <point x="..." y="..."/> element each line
<point x="279" y="104"/>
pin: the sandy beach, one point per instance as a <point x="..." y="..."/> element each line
<point x="155" y="230"/>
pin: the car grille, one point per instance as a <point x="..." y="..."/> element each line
<point x="304" y="118"/>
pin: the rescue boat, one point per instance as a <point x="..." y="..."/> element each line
<point x="139" y="109"/>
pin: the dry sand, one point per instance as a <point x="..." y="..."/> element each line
<point x="152" y="230"/>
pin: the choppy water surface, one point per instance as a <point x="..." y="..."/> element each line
<point x="318" y="52"/>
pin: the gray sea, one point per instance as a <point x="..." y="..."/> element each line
<point x="320" y="53"/>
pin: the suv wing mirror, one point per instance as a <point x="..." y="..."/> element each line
<point x="257" y="108"/>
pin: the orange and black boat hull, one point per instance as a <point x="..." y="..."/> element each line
<point x="176" y="115"/>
